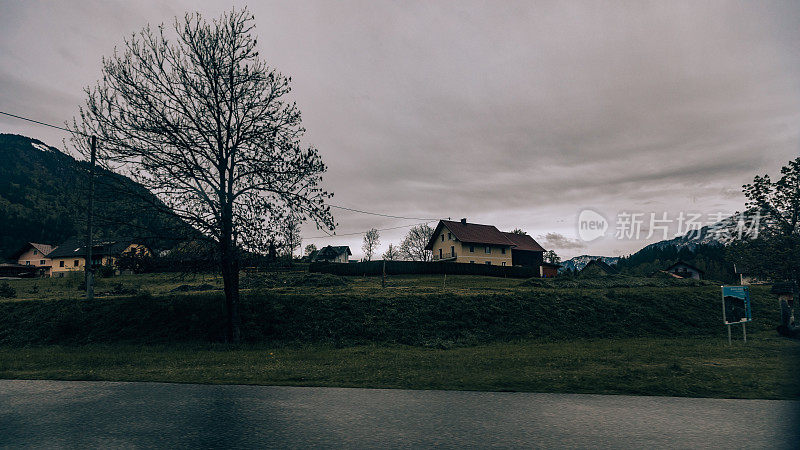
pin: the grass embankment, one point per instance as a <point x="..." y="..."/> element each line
<point x="348" y="318"/>
<point x="696" y="367"/>
<point x="658" y="338"/>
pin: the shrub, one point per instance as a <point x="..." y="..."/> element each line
<point x="6" y="291"/>
<point x="106" y="270"/>
<point x="319" y="280"/>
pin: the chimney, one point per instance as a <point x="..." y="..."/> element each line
<point x="464" y="220"/>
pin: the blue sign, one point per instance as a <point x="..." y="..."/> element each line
<point x="736" y="304"/>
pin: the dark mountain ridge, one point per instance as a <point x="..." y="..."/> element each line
<point x="43" y="198"/>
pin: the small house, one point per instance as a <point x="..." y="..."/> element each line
<point x="333" y="254"/>
<point x="685" y="270"/>
<point x="71" y="255"/>
<point x="473" y="243"/>
<point x="548" y="270"/>
<point x="597" y="268"/>
<point x="35" y="255"/>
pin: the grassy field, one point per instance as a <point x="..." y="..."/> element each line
<point x="71" y="286"/>
<point x="696" y="367"/>
<point x="621" y="335"/>
<point x="281" y="283"/>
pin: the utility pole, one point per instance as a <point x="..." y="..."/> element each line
<point x="88" y="266"/>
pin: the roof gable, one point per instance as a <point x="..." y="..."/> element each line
<point x="602" y="265"/>
<point x="44" y="249"/>
<point x="331" y="252"/>
<point x="74" y="248"/>
<point x="473" y="233"/>
<point x="683" y="263"/>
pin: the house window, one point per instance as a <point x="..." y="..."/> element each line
<point x="488" y="263"/>
<point x="77" y="262"/>
<point x="61" y="264"/>
<point x="452" y="251"/>
<point x="504" y="263"/>
<point x="442" y="237"/>
<point x="472" y="262"/>
<point x="488" y="249"/>
<point x="503" y="250"/>
<point x="440" y="253"/>
<point x="41" y="263"/>
<point x="449" y="236"/>
<point x="472" y="249"/>
<point x="36" y="252"/>
<point x="27" y="263"/>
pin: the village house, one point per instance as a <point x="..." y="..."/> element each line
<point x="35" y="255"/>
<point x="334" y="254"/>
<point x="685" y="270"/>
<point x="597" y="268"/>
<point x="71" y="255"/>
<point x="472" y="243"/>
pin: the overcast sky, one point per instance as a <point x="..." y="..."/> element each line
<point x="516" y="114"/>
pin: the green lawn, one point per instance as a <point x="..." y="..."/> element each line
<point x="163" y="283"/>
<point x="765" y="367"/>
<point x="474" y="333"/>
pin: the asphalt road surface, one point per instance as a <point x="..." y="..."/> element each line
<point x="104" y="414"/>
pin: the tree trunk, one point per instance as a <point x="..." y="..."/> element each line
<point x="230" y="278"/>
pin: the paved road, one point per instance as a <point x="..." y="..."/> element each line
<point x="103" y="414"/>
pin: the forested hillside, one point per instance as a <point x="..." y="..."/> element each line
<point x="43" y="198"/>
<point x="711" y="258"/>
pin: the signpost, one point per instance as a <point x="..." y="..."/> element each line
<point x="736" y="308"/>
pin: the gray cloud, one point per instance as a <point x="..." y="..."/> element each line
<point x="559" y="241"/>
<point x="517" y="114"/>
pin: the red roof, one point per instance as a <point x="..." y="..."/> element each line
<point x="472" y="232"/>
<point x="523" y="242"/>
<point x="44" y="249"/>
<point x="475" y="233"/>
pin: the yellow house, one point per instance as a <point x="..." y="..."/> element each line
<point x="36" y="256"/>
<point x="71" y="255"/>
<point x="473" y="243"/>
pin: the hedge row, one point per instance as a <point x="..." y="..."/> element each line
<point x="420" y="267"/>
<point x="423" y="320"/>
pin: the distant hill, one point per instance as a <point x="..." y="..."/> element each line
<point x="579" y="262"/>
<point x="43" y="199"/>
<point x="703" y="248"/>
<point x="703" y="236"/>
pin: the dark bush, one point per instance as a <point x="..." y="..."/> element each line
<point x="319" y="280"/>
<point x="106" y="270"/>
<point x="6" y="291"/>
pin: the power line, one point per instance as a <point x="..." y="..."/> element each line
<point x="42" y="123"/>
<point x="426" y="221"/>
<point x="362" y="232"/>
<point x="381" y="215"/>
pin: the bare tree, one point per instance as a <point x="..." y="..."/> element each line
<point x="413" y="245"/>
<point x="290" y="236"/>
<point x="204" y="124"/>
<point x="371" y="241"/>
<point x="391" y="254"/>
